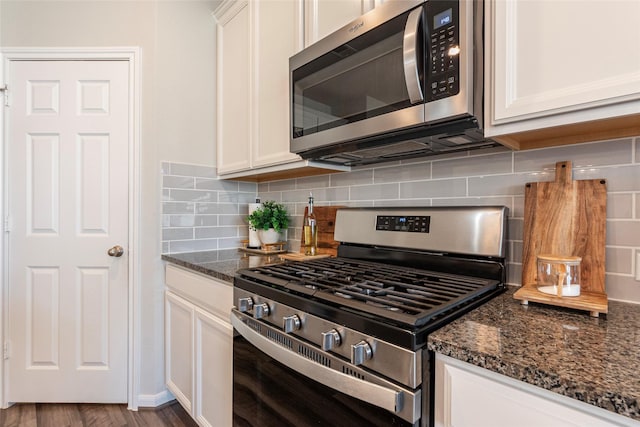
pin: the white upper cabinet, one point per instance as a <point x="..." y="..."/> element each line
<point x="277" y="36"/>
<point x="322" y="17"/>
<point x="558" y="63"/>
<point x="255" y="40"/>
<point x="233" y="86"/>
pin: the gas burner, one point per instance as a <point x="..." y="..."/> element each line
<point x="392" y="283"/>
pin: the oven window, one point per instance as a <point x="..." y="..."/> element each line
<point x="359" y="80"/>
<point x="268" y="394"/>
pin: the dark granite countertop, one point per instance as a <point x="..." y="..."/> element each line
<point x="595" y="360"/>
<point x="221" y="264"/>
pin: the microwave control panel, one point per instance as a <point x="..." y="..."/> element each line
<point x="410" y="224"/>
<point x="443" y="39"/>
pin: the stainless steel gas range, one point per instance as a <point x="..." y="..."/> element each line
<point x="342" y="341"/>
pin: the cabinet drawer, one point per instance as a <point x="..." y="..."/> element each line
<point x="208" y="293"/>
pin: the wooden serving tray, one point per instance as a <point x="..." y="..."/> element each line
<point x="266" y="249"/>
<point x="593" y="302"/>
<point x="566" y="218"/>
<point x="296" y="256"/>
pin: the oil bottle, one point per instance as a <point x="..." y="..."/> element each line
<point x="310" y="237"/>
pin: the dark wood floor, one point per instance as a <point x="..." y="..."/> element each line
<point x="89" y="414"/>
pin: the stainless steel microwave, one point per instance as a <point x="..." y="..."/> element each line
<point x="404" y="80"/>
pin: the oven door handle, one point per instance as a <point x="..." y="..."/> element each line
<point x="389" y="399"/>
<point x="410" y="56"/>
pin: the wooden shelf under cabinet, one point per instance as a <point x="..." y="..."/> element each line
<point x="597" y="130"/>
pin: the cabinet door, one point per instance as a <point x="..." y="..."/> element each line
<point x="179" y="349"/>
<point x="214" y="370"/>
<point x="560" y="62"/>
<point x="277" y="36"/>
<point x="322" y="17"/>
<point x="233" y="86"/>
<point x="469" y="396"/>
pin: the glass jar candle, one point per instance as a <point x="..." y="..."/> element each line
<point x="559" y="275"/>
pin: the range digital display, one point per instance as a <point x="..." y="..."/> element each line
<point x="410" y="224"/>
<point x="443" y="18"/>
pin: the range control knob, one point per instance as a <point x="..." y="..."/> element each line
<point x="360" y="353"/>
<point x="260" y="310"/>
<point x="245" y="304"/>
<point x="330" y="340"/>
<point x="290" y="323"/>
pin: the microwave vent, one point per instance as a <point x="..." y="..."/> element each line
<point x="460" y="139"/>
<point x="393" y="149"/>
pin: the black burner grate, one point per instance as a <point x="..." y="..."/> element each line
<point x="409" y="296"/>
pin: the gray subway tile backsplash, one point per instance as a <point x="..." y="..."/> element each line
<point x="412" y="172"/>
<point x="183" y="169"/>
<point x="487" y="177"/>
<point x="456" y="187"/>
<point x="169" y="181"/>
<point x="492" y="164"/>
<point x="348" y="179"/>
<point x="620" y="206"/>
<point x="606" y="153"/>
<point x="503" y="185"/>
<point x="199" y="210"/>
<point x="619" y="260"/>
<point x="623" y="233"/>
<point x="374" y="192"/>
<point x="169" y="207"/>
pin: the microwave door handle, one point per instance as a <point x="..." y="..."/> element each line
<point x="410" y="56"/>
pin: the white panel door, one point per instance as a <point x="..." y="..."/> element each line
<point x="68" y="204"/>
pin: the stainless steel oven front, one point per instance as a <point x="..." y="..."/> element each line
<point x="342" y="341"/>
<point x="283" y="380"/>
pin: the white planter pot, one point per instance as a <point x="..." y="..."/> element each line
<point x="269" y="236"/>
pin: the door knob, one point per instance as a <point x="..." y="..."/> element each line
<point x="116" y="251"/>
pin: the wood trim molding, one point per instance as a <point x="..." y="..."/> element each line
<point x="596" y="130"/>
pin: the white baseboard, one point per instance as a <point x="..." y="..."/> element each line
<point x="154" y="400"/>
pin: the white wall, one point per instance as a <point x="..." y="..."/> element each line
<point x="177" y="41"/>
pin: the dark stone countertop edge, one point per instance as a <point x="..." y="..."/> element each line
<point x="581" y="389"/>
<point x="221" y="264"/>
<point x="609" y="400"/>
<point x="224" y="276"/>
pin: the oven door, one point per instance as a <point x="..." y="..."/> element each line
<point x="279" y="380"/>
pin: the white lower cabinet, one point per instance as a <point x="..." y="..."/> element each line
<point x="469" y="396"/>
<point x="213" y="370"/>
<point x="199" y="346"/>
<point x="179" y="349"/>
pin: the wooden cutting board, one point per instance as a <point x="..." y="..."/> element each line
<point x="326" y="220"/>
<point x="567" y="218"/>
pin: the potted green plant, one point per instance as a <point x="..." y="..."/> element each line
<point x="269" y="220"/>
